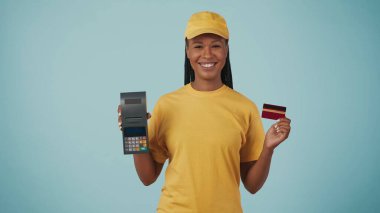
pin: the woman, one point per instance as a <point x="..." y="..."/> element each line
<point x="211" y="134"/>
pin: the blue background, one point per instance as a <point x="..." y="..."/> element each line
<point x="64" y="63"/>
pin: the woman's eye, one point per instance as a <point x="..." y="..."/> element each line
<point x="216" y="46"/>
<point x="198" y="46"/>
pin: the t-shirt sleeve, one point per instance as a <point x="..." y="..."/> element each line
<point x="157" y="146"/>
<point x="255" y="136"/>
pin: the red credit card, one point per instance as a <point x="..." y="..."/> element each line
<point x="273" y="111"/>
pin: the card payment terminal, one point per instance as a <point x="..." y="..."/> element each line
<point x="134" y="122"/>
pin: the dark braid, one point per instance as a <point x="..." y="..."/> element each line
<point x="226" y="74"/>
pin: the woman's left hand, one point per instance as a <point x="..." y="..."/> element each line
<point x="277" y="133"/>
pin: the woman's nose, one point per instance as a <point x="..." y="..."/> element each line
<point x="206" y="52"/>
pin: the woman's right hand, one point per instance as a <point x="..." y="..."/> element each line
<point x="120" y="120"/>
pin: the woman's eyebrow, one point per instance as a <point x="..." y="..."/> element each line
<point x="199" y="42"/>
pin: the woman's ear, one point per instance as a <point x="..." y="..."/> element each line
<point x="227" y="49"/>
<point x="227" y="46"/>
<point x="187" y="51"/>
<point x="187" y="48"/>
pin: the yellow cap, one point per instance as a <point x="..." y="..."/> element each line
<point x="206" y="22"/>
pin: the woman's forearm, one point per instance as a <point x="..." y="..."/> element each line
<point x="258" y="173"/>
<point x="147" y="169"/>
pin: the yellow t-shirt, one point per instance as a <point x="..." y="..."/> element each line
<point x="205" y="135"/>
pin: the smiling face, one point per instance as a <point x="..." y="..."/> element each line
<point x="207" y="54"/>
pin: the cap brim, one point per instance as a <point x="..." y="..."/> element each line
<point x="198" y="32"/>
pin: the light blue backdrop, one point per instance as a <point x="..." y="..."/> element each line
<point x="64" y="63"/>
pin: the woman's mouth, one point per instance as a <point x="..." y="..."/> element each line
<point x="207" y="65"/>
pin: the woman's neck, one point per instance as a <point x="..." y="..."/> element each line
<point x="206" y="86"/>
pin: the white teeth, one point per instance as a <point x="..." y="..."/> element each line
<point x="208" y="65"/>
